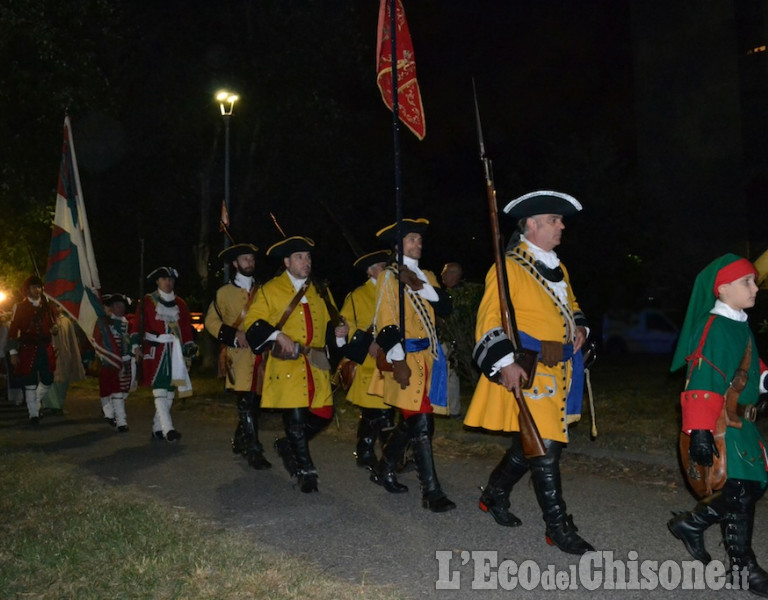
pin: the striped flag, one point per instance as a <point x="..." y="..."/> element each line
<point x="71" y="278"/>
<point x="410" y="109"/>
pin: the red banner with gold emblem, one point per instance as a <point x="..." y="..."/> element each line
<point x="410" y="109"/>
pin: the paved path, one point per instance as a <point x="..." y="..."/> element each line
<point x="356" y="531"/>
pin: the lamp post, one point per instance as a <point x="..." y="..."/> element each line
<point x="227" y="103"/>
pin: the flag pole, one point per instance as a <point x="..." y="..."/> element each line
<point x="398" y="165"/>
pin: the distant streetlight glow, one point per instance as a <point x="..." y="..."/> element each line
<point x="2" y="297"/>
<point x="227" y="103"/>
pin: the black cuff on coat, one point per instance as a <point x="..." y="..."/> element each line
<point x="444" y="304"/>
<point x="258" y="335"/>
<point x="491" y="348"/>
<point x="227" y="335"/>
<point x="388" y="337"/>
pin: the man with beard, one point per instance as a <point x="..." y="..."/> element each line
<point x="224" y="321"/>
<point x="291" y="314"/>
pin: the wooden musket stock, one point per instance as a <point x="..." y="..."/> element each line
<point x="533" y="445"/>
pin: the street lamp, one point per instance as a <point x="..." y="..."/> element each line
<point x="227" y="103"/>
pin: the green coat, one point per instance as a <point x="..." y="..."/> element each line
<point x="713" y="371"/>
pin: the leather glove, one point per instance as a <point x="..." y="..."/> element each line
<point x="703" y="447"/>
<point x="410" y="279"/>
<point x="402" y="373"/>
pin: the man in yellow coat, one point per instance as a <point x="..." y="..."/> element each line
<point x="376" y="418"/>
<point x="291" y="315"/>
<point x="417" y="378"/>
<point x="550" y="323"/>
<point x="224" y="321"/>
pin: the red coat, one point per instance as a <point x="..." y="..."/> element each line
<point x="154" y="352"/>
<point x="30" y="328"/>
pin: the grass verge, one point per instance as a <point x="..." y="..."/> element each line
<point x="68" y="535"/>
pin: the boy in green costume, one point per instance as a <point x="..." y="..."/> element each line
<point x="714" y="342"/>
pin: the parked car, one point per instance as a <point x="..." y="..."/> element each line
<point x="648" y="331"/>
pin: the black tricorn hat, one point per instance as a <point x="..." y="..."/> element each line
<point x="542" y="202"/>
<point x="231" y="253"/>
<point x="372" y="258"/>
<point x="389" y="233"/>
<point x="110" y="299"/>
<point x="163" y="272"/>
<point x="29" y="282"/>
<point x="284" y="248"/>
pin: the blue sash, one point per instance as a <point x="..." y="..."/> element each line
<point x="438" y="386"/>
<point x="575" y="396"/>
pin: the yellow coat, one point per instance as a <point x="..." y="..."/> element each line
<point x="541" y="317"/>
<point x="286" y="381"/>
<point x="358" y="310"/>
<point x="231" y="300"/>
<point x="420" y="363"/>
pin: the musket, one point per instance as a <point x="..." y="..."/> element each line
<point x="530" y="437"/>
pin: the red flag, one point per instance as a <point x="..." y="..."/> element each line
<point x="410" y="109"/>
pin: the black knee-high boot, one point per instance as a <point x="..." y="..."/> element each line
<point x="364" y="453"/>
<point x="368" y="427"/>
<point x="383" y="473"/>
<point x="295" y="421"/>
<point x="545" y="472"/>
<point x="246" y="440"/>
<point x="495" y="497"/>
<point x="741" y="497"/>
<point x="420" y="427"/>
<point x="689" y="526"/>
<point x="385" y="424"/>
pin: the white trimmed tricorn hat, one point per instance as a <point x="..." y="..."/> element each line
<point x="542" y="202"/>
<point x="163" y="272"/>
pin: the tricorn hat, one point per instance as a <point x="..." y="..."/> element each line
<point x="231" y="253"/>
<point x="163" y="272"/>
<point x="542" y="202"/>
<point x="372" y="258"/>
<point x="284" y="248"/>
<point x="389" y="233"/>
<point x="29" y="282"/>
<point x="110" y="299"/>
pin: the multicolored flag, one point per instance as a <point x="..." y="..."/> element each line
<point x="410" y="109"/>
<point x="72" y="279"/>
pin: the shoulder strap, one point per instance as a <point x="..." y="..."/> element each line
<point x="293" y="303"/>
<point x="332" y="310"/>
<point x="239" y="320"/>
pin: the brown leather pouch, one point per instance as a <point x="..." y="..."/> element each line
<point x="551" y="353"/>
<point x="381" y="362"/>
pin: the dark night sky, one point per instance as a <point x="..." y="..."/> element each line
<point x="554" y="82"/>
